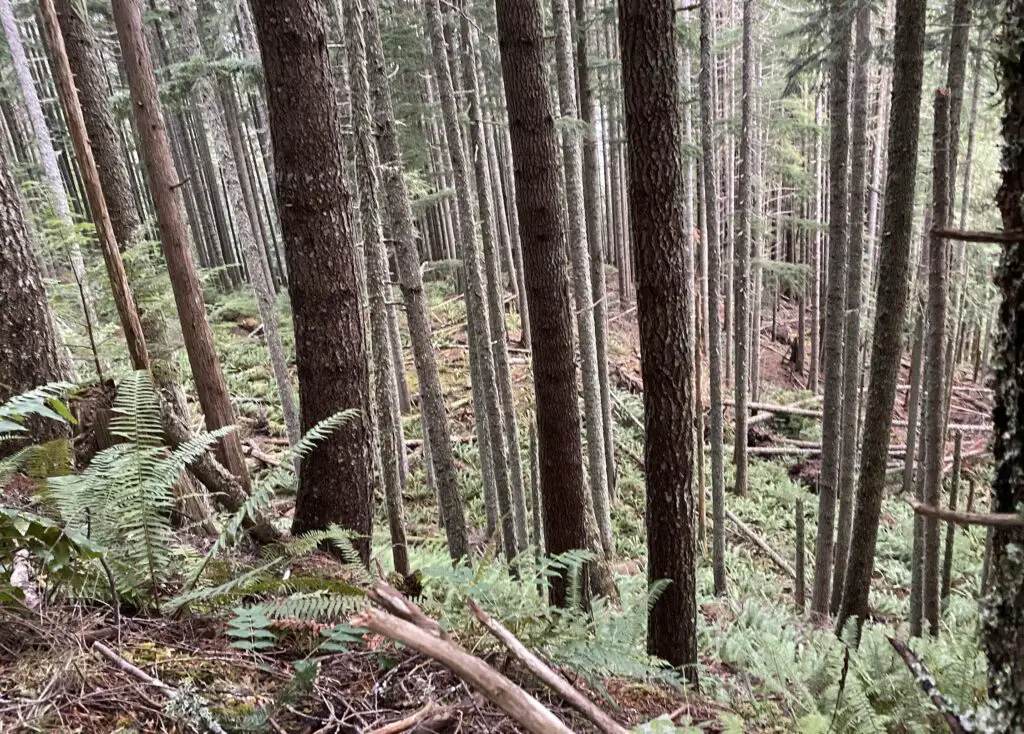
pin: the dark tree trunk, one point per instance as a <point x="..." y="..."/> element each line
<point x="335" y="486"/>
<point x="887" y="343"/>
<point x="656" y="209"/>
<point x="543" y="230"/>
<point x="1003" y="617"/>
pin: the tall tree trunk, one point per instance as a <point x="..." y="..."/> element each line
<point x="593" y="203"/>
<point x="583" y="293"/>
<point x="46" y="151"/>
<point x="1003" y="612"/>
<point x="814" y="312"/>
<point x="742" y="264"/>
<point x="710" y="238"/>
<point x="654" y="137"/>
<point x="322" y="269"/>
<point x="891" y="299"/>
<point x="206" y="370"/>
<point x="851" y="318"/>
<point x="965" y="202"/>
<point x="535" y="154"/>
<point x="476" y="303"/>
<point x="30" y="354"/>
<point x="934" y="434"/>
<point x="377" y="284"/>
<point x="495" y="294"/>
<point x="431" y="395"/>
<point x="838" y="231"/>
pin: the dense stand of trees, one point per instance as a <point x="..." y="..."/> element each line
<point x="563" y="166"/>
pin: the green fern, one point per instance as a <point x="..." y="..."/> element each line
<point x="46" y="401"/>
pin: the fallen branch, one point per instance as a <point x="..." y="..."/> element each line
<point x="987" y="519"/>
<point x="762" y="544"/>
<point x="394" y="602"/>
<point x="251" y="449"/>
<point x="626" y="412"/>
<point x="780" y="409"/>
<point x="1007" y="237"/>
<point x="547" y="676"/>
<point x="927" y="684"/>
<point x="526" y="710"/>
<point x="407" y="723"/>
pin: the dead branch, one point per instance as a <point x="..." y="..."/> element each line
<point x="927" y="684"/>
<point x="1006" y="237"/>
<point x="526" y="710"/>
<point x="549" y="677"/>
<point x="762" y="544"/>
<point x="987" y="519"/>
<point x="394" y="602"/>
<point x="408" y="722"/>
<point x="251" y="449"/>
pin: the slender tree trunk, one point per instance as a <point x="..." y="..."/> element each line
<point x="411" y="282"/>
<point x="914" y="406"/>
<point x="654" y="135"/>
<point x="495" y="299"/>
<point x="954" y="487"/>
<point x="741" y="275"/>
<point x="710" y="238"/>
<point x="887" y="340"/>
<point x="852" y="315"/>
<point x="814" y="313"/>
<point x="965" y="202"/>
<point x="838" y="231"/>
<point x="322" y="268"/>
<point x="210" y="384"/>
<point x="579" y="253"/>
<point x="535" y="154"/>
<point x="934" y="439"/>
<point x="377" y="283"/>
<point x="476" y="303"/>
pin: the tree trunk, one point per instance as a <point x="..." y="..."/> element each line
<point x="1003" y="612"/>
<point x="210" y="384"/>
<point x="887" y="341"/>
<point x="914" y="403"/>
<point x="321" y="254"/>
<point x="535" y="154"/>
<point x="710" y="238"/>
<point x="954" y="487"/>
<point x="30" y="354"/>
<point x="852" y="316"/>
<point x="655" y="145"/>
<point x="431" y="395"/>
<point x="742" y="261"/>
<point x="965" y="202"/>
<point x="476" y="303"/>
<point x="593" y="204"/>
<point x="46" y="151"/>
<point x="814" y="312"/>
<point x="583" y="293"/>
<point x="377" y="283"/>
<point x="838" y="231"/>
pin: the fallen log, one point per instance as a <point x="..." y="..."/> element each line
<point x="762" y="544"/>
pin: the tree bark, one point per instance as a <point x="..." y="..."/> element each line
<point x="934" y="434"/>
<point x="210" y="384"/>
<point x="431" y="394"/>
<point x="535" y="155"/>
<point x="377" y="283"/>
<point x="835" y="305"/>
<point x="852" y="315"/>
<point x="579" y="253"/>
<point x="323" y="283"/>
<point x="710" y="238"/>
<point x="891" y="299"/>
<point x="655" y="145"/>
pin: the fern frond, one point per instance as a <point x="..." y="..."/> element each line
<point x="45" y="401"/>
<point x="136" y="411"/>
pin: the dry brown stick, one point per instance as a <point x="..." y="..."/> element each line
<point x="989" y="519"/>
<point x="254" y="451"/>
<point x="132" y="670"/>
<point x="407" y="723"/>
<point x="394" y="602"/>
<point x="927" y="684"/>
<point x="547" y="676"/>
<point x="760" y="543"/>
<point x="526" y="710"/>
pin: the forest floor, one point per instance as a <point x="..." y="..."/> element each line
<point x="764" y="667"/>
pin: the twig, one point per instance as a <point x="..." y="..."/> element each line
<point x="990" y="519"/>
<point x="510" y="698"/>
<point x="928" y="685"/>
<point x="549" y="677"/>
<point x="760" y="543"/>
<point x="133" y="671"/>
<point x="407" y="723"/>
